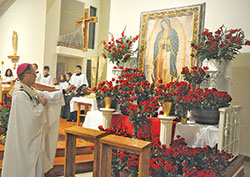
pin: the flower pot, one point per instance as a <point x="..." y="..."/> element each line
<point x="184" y="120"/>
<point x="108" y="102"/>
<point x="166" y="108"/>
<point x="195" y="86"/>
<point x="220" y="74"/>
<point x="210" y="117"/>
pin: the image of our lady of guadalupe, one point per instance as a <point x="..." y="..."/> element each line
<point x="166" y="47"/>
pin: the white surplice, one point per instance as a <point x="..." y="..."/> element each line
<point x="78" y="80"/>
<point x="32" y="132"/>
<point x="46" y="81"/>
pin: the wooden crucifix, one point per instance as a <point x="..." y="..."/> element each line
<point x="84" y="21"/>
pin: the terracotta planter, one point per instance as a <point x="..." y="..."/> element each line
<point x="210" y="117"/>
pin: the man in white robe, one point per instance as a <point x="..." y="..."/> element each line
<point x="78" y="80"/>
<point x="46" y="79"/>
<point x="32" y="129"/>
<point x="38" y="74"/>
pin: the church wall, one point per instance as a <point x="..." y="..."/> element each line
<point x="231" y="13"/>
<point x="27" y="18"/>
<point x="241" y="96"/>
<point x="51" y="34"/>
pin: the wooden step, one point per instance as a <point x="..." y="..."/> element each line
<point x="84" y="163"/>
<point x="84" y="156"/>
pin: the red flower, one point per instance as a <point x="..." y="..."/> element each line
<point x="247" y="43"/>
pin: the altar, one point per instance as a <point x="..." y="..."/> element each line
<point x="151" y="128"/>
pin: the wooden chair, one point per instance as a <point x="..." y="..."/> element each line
<point x="110" y="142"/>
<point x="229" y="129"/>
<point x="70" y="151"/>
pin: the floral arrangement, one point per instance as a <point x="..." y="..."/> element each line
<point x="105" y="89"/>
<point x="177" y="160"/>
<point x="222" y="44"/>
<point x="136" y="97"/>
<point x="4" y="116"/>
<point x="120" y="49"/>
<point x="196" y="75"/>
<point x="172" y="92"/>
<point x="132" y="87"/>
<point x="208" y="99"/>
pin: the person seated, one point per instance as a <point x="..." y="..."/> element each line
<point x="63" y="84"/>
<point x="79" y="81"/>
<point x="46" y="79"/>
<point x="55" y="83"/>
<point x="8" y="77"/>
<point x="68" y="76"/>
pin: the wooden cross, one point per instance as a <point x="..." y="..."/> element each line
<point x="84" y="21"/>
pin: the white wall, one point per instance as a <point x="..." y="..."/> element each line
<point x="27" y="18"/>
<point x="231" y="13"/>
<point x="53" y="12"/>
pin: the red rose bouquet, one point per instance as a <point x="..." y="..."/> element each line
<point x="222" y="44"/>
<point x="196" y="75"/>
<point x="119" y="50"/>
<point x="208" y="99"/>
<point x="172" y="92"/>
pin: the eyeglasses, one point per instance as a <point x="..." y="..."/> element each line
<point x="31" y="73"/>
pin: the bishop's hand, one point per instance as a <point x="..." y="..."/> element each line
<point x="43" y="101"/>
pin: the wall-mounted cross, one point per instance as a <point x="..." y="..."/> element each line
<point x="85" y="20"/>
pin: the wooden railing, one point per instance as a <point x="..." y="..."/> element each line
<point x="229" y="129"/>
<point x="111" y="142"/>
<point x="70" y="151"/>
<point x="103" y="150"/>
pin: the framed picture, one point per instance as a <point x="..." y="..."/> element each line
<point x="165" y="41"/>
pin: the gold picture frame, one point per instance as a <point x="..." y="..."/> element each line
<point x="165" y="41"/>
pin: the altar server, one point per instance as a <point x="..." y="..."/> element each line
<point x="46" y="79"/>
<point x="78" y="80"/>
<point x="38" y="74"/>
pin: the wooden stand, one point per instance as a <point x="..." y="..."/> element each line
<point x="110" y="142"/>
<point x="166" y="129"/>
<point x="70" y="151"/>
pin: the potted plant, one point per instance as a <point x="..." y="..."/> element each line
<point x="223" y="44"/>
<point x="195" y="76"/>
<point x="216" y="50"/>
<point x="120" y="49"/>
<point x="106" y="92"/>
<point x="170" y="94"/>
<point x="205" y="104"/>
